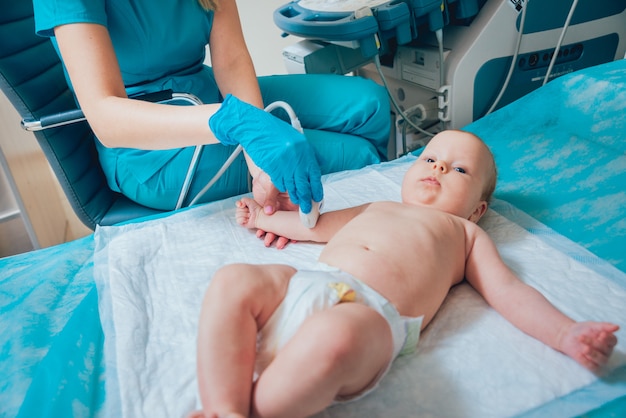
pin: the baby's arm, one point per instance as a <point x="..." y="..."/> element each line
<point x="589" y="343"/>
<point x="287" y="223"/>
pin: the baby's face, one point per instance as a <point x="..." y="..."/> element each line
<point x="450" y="175"/>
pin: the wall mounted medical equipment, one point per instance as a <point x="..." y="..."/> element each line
<point x="348" y="34"/>
<point x="308" y="219"/>
<point x="469" y="56"/>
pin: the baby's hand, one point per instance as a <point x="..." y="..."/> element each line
<point x="247" y="212"/>
<point x="590" y="343"/>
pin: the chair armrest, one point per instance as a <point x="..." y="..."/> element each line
<point x="53" y="121"/>
<point x="76" y="115"/>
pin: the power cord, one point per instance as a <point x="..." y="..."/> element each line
<point x="513" y="62"/>
<point x="560" y="41"/>
<point x="517" y="48"/>
<point x="405" y="115"/>
<point x="396" y="106"/>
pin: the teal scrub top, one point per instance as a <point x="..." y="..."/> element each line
<point x="152" y="40"/>
<point x="159" y="45"/>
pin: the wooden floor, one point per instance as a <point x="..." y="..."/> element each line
<point x="13" y="237"/>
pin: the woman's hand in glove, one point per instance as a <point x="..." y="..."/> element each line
<point x="275" y="146"/>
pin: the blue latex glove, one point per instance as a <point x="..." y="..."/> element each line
<point x="274" y="145"/>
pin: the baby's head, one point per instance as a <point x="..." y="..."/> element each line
<point x="455" y="172"/>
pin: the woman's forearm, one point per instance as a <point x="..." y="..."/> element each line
<point x="128" y="123"/>
<point x="118" y="121"/>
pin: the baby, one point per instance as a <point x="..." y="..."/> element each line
<point x="328" y="335"/>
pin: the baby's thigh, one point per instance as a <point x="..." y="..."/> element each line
<point x="349" y="343"/>
<point x="257" y="287"/>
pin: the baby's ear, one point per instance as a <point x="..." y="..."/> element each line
<point x="479" y="211"/>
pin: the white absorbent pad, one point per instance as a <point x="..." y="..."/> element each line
<point x="470" y="362"/>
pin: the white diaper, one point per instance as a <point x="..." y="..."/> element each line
<point x="314" y="290"/>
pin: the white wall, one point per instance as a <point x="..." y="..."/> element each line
<point x="263" y="36"/>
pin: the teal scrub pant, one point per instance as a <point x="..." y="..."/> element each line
<point x="346" y="119"/>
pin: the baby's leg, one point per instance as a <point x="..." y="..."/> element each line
<point x="336" y="352"/>
<point x="238" y="302"/>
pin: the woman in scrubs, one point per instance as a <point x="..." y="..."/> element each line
<point x="113" y="49"/>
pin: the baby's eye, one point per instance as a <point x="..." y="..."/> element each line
<point x="429" y="160"/>
<point x="460" y="170"/>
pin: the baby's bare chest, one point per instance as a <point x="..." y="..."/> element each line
<point x="401" y="239"/>
<point x="403" y="226"/>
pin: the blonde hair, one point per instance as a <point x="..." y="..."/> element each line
<point x="209" y="4"/>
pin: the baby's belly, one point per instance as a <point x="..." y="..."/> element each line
<point x="410" y="286"/>
<point x="361" y="262"/>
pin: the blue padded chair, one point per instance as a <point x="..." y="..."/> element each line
<point x="31" y="76"/>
